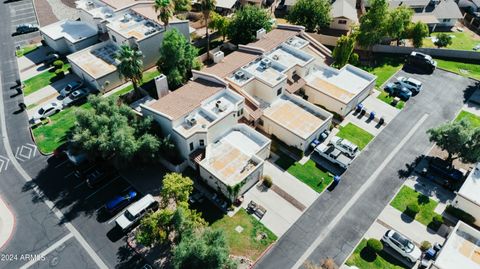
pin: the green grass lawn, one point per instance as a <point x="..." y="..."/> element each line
<point x="385" y="97"/>
<point x="50" y="136"/>
<point x="408" y="196"/>
<point x="355" y="134"/>
<point x="364" y="259"/>
<point x="474" y="119"/>
<point x="460" y="40"/>
<point x="247" y="243"/>
<point x="384" y="67"/>
<point x="25" y="50"/>
<point x="463" y="69"/>
<point x="308" y="173"/>
<point x="41" y="80"/>
<point x="147" y="77"/>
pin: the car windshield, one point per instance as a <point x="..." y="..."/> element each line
<point x="404" y="241"/>
<point x="41" y="111"/>
<point x="129" y="216"/>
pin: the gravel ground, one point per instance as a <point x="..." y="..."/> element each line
<point x="63" y="11"/>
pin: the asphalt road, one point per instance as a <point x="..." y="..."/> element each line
<point x="338" y="219"/>
<point x="56" y="214"/>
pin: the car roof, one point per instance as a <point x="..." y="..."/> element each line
<point x="414" y="80"/>
<point x="400" y="238"/>
<point x="141" y="204"/>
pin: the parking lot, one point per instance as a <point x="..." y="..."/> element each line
<point x="83" y="207"/>
<point x="23" y="12"/>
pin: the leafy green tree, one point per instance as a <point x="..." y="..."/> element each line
<point x="373" y="24"/>
<point x="398" y="21"/>
<point x="459" y="139"/>
<point x="177" y="57"/>
<point x="165" y="9"/>
<point x="313" y="14"/>
<point x="343" y="50"/>
<point x="206" y="250"/>
<point x="417" y="32"/>
<point x="246" y="22"/>
<point x="110" y="129"/>
<point x="182" y="5"/>
<point x="219" y="23"/>
<point x="443" y="40"/>
<point x="155" y="228"/>
<point x="207" y="6"/>
<point x="131" y="65"/>
<point x="176" y="188"/>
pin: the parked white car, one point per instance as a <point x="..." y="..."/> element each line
<point x="334" y="155"/>
<point x="402" y="245"/>
<point x="135" y="212"/>
<point x="46" y="111"/>
<point x="412" y="84"/>
<point x="345" y="146"/>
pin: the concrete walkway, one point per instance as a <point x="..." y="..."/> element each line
<point x="30" y="64"/>
<point x="7" y="223"/>
<point x="473" y="106"/>
<point x="392" y="218"/>
<point x="430" y="189"/>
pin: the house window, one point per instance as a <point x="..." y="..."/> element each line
<point x="240" y="112"/>
<point x="114" y="38"/>
<point x="279" y="91"/>
<point x="446" y="20"/>
<point x="191" y="146"/>
<point x="260" y="122"/>
<point x="202" y="143"/>
<point x="342" y="21"/>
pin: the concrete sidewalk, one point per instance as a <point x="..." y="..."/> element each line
<point x="391" y="218"/>
<point x="7" y="223"/>
<point x="31" y="65"/>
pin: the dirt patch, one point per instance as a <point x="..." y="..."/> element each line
<point x="437" y="152"/>
<point x="69" y="3"/>
<point x="45" y="14"/>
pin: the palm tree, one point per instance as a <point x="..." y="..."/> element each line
<point x="164" y="8"/>
<point x="131" y="65"/>
<point x="207" y="6"/>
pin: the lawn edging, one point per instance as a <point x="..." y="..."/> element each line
<point x="263" y="253"/>
<point x="450" y="71"/>
<point x="35" y="142"/>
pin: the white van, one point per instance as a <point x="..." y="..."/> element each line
<point x="135" y="212"/>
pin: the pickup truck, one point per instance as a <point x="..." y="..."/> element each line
<point x="334" y="155"/>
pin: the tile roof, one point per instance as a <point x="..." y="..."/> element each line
<point x="120" y="4"/>
<point x="344" y="8"/>
<point x="273" y="38"/>
<point x="447" y="9"/>
<point x="148" y="12"/>
<point x="230" y="63"/>
<point x="187" y="98"/>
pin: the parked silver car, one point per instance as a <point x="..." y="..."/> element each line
<point x="72" y="86"/>
<point x="410" y="83"/>
<point x="46" y="111"/>
<point x="402" y="245"/>
<point x="75" y="97"/>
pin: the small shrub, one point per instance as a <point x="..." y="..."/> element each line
<point x="412" y="210"/>
<point x="460" y="214"/>
<point x="438" y="219"/>
<point x="375" y="245"/>
<point x="425" y="245"/>
<point x="58" y="64"/>
<point x="267" y="181"/>
<point x="59" y="74"/>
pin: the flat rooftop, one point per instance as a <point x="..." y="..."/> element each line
<point x="471" y="187"/>
<point x="73" y="31"/>
<point x="343" y="84"/>
<point x="130" y="24"/>
<point x="214" y="108"/>
<point x="274" y="38"/>
<point x="230" y="158"/>
<point x="97" y="62"/>
<point x="230" y="63"/>
<point x="270" y="74"/>
<point x="461" y="250"/>
<point x="186" y="98"/>
<point x="289" y="56"/>
<point x="298" y="119"/>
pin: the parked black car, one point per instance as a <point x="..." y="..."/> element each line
<point x="50" y="59"/>
<point x="422" y="61"/>
<point x="26" y="28"/>
<point x="440" y="171"/>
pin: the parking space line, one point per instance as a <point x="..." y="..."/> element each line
<point x="48" y="250"/>
<point x="88" y="197"/>
<point x="69" y="175"/>
<point x="60" y="164"/>
<point x="353" y="200"/>
<point x="28" y="19"/>
<point x="80" y="184"/>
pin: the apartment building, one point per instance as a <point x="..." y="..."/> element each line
<point x="130" y="22"/>
<point x="468" y="197"/>
<point x="202" y="118"/>
<point x="285" y="80"/>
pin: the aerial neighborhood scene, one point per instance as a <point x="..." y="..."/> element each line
<point x="240" y="134"/>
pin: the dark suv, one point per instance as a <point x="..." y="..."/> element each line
<point x="421" y="60"/>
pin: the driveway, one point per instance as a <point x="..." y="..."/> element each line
<point x="31" y="65"/>
<point x="338" y="219"/>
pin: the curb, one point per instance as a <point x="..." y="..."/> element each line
<point x="449" y="71"/>
<point x="14" y="224"/>
<point x="262" y="254"/>
<point x="36" y="144"/>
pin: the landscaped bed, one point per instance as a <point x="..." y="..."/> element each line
<point x="249" y="241"/>
<point x="41" y="80"/>
<point x="363" y="258"/>
<point x="355" y="134"/>
<point x="474" y="119"/>
<point x="460" y="40"/>
<point x="461" y="68"/>
<point x="408" y="196"/>
<point x="387" y="98"/>
<point x="25" y="50"/>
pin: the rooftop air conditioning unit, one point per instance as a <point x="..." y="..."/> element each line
<point x="126" y="18"/>
<point x="239" y="75"/>
<point x="265" y="63"/>
<point x="191" y="120"/>
<point x="218" y="56"/>
<point x="90" y="4"/>
<point x="221" y="106"/>
<point x="276" y="57"/>
<point x="108" y="15"/>
<point x="261" y="33"/>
